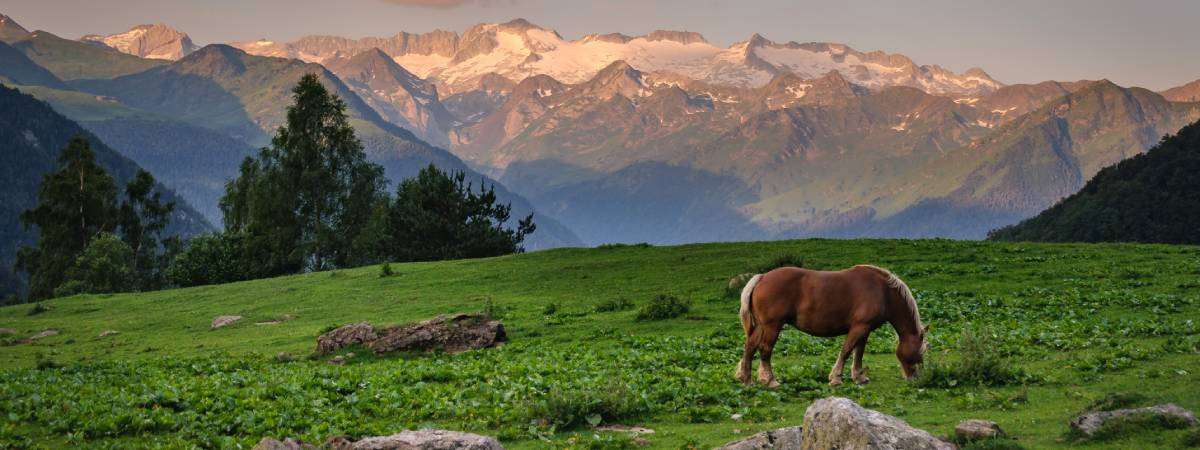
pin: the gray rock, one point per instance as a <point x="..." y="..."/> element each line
<point x="107" y="333"/>
<point x="338" y="360"/>
<point x="782" y="438"/>
<point x="221" y="321"/>
<point x="7" y="331"/>
<point x="453" y="333"/>
<point x="737" y="282"/>
<point x="286" y="444"/>
<point x="974" y="429"/>
<point x="836" y="422"/>
<point x="427" y="440"/>
<point x="355" y="333"/>
<point x="1087" y="424"/>
<point x="44" y="334"/>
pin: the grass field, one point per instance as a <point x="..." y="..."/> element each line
<point x="1076" y="322"/>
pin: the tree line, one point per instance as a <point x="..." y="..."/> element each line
<point x="309" y="201"/>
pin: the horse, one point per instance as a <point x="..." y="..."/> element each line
<point x="851" y="302"/>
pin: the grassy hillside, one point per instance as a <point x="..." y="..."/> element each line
<point x="1076" y="321"/>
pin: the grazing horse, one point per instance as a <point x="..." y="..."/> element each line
<point x="850" y="302"/>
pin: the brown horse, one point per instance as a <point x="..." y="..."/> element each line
<point x="851" y="302"/>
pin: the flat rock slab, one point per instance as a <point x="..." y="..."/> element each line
<point x="616" y="427"/>
<point x="974" y="429"/>
<point x="452" y="333"/>
<point x="221" y="321"/>
<point x="44" y="334"/>
<point x="782" y="438"/>
<point x="7" y="331"/>
<point x="421" y="440"/>
<point x="836" y="422"/>
<point x="107" y="333"/>
<point x="1089" y="423"/>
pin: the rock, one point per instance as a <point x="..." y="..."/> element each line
<point x="284" y="357"/>
<point x="7" y="331"/>
<point x="836" y="422"/>
<point x="286" y="444"/>
<point x="221" y="321"/>
<point x="349" y="355"/>
<point x="973" y="430"/>
<point x="1089" y="423"/>
<point x="43" y="334"/>
<point x="782" y="438"/>
<point x="616" y="427"/>
<point x="455" y="333"/>
<point x="338" y="360"/>
<point x="107" y="333"/>
<point x="422" y="440"/>
<point x="355" y="333"/>
<point x="737" y="282"/>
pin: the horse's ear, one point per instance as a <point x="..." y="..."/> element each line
<point x="925" y="331"/>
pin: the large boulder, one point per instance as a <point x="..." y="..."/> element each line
<point x="1089" y="423"/>
<point x="456" y="333"/>
<point x="836" y="422"/>
<point x="452" y="333"/>
<point x="421" y="440"/>
<point x="975" y="429"/>
<point x="355" y="333"/>
<point x="778" y="439"/>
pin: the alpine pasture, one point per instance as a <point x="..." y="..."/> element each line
<point x="1064" y="325"/>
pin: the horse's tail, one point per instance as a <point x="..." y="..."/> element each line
<point x="745" y="314"/>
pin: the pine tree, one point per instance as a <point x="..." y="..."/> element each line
<point x="439" y="216"/>
<point x="305" y="198"/>
<point x="143" y="217"/>
<point x="76" y="203"/>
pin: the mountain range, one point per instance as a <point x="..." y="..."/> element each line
<point x="663" y="138"/>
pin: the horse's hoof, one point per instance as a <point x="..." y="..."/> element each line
<point x="773" y="384"/>
<point x="835" y="382"/>
<point x="862" y="381"/>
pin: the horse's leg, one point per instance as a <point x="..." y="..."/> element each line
<point x="743" y="369"/>
<point x="852" y="338"/>
<point x="766" y="345"/>
<point x="859" y="373"/>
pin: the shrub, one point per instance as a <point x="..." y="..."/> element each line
<point x="617" y="245"/>
<point x="207" y="259"/>
<point x="39" y="308"/>
<point x="980" y="362"/>
<point x="618" y="304"/>
<point x="663" y="307"/>
<point x="105" y="266"/>
<point x="385" y="270"/>
<point x="780" y="260"/>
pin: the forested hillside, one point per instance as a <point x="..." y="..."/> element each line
<point x="1152" y="197"/>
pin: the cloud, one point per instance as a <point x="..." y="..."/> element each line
<point x="439" y="4"/>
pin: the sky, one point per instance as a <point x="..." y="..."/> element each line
<point x="1152" y="44"/>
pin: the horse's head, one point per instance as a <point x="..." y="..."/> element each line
<point x="911" y="352"/>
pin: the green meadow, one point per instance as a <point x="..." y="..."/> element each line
<point x="1073" y="323"/>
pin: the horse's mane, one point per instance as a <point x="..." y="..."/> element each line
<point x="896" y="283"/>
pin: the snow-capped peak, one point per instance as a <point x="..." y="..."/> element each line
<point x="518" y="49"/>
<point x="156" y="41"/>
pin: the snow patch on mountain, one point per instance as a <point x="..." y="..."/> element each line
<point x="156" y="41"/>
